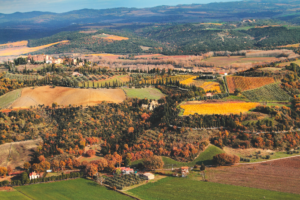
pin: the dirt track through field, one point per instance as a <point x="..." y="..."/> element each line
<point x="65" y="96"/>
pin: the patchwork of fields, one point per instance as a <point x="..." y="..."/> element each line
<point x="223" y="108"/>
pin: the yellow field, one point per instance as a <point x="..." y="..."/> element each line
<point x="188" y="81"/>
<point x="291" y="45"/>
<point x="207" y="86"/>
<point x="217" y="108"/>
<point x="211" y="86"/>
<point x="13" y="51"/>
<point x="217" y="24"/>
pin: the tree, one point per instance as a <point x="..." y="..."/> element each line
<point x="55" y="164"/>
<point x="24" y="177"/>
<point x="62" y="165"/>
<point x="127" y="162"/>
<point x="27" y="165"/>
<point x="76" y="163"/>
<point x="41" y="158"/>
<point x="45" y="165"/>
<point x="237" y="91"/>
<point x="9" y="169"/>
<point x="154" y="162"/>
<point x="202" y="168"/>
<point x="118" y="171"/>
<point x="3" y="171"/>
<point x="90" y="153"/>
<point x="91" y="170"/>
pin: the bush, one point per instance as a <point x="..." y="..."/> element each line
<point x="268" y="157"/>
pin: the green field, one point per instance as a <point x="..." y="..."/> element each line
<point x="271" y="92"/>
<point x="205" y="157"/>
<point x="71" y="189"/>
<point x="184" y="188"/>
<point x="8" y="98"/>
<point x="13" y="195"/>
<point x="149" y="93"/>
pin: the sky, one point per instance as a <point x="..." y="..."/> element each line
<point x="59" y="6"/>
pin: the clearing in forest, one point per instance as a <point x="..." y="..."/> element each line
<point x="247" y="83"/>
<point x="65" y="96"/>
<point x="111" y="37"/>
<point x="16" y="153"/>
<point x="142" y="93"/>
<point x="222" y="108"/>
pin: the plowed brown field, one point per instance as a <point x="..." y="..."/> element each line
<point x="65" y="96"/>
<point x="279" y="175"/>
<point x="247" y="83"/>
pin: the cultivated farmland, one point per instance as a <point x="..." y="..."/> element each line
<point x="223" y="108"/>
<point x="71" y="189"/>
<point x="149" y="93"/>
<point x="184" y="188"/>
<point x="247" y="83"/>
<point x="272" y="92"/>
<point x="65" y="96"/>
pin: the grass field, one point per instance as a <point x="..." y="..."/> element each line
<point x="12" y="195"/>
<point x="201" y="108"/>
<point x="183" y="188"/>
<point x="8" y="98"/>
<point x="271" y="92"/>
<point x="71" y="189"/>
<point x="149" y="93"/>
<point x="205" y="158"/>
<point x="288" y="63"/>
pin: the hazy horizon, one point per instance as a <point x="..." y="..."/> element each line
<point x="61" y="6"/>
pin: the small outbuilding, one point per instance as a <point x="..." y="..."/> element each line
<point x="148" y="175"/>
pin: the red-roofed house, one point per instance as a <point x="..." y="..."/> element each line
<point x="127" y="170"/>
<point x="35" y="175"/>
<point x="184" y="171"/>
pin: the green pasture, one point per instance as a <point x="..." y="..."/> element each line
<point x="142" y="93"/>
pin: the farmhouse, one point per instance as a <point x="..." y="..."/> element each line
<point x="184" y="171"/>
<point x="148" y="175"/>
<point x="127" y="170"/>
<point x="34" y="175"/>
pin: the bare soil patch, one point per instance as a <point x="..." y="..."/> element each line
<point x="278" y="175"/>
<point x="65" y="96"/>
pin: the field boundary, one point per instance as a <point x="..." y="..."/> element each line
<point x="25" y="194"/>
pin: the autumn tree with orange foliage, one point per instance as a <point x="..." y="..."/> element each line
<point x="90" y="153"/>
